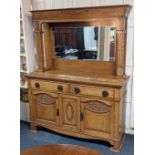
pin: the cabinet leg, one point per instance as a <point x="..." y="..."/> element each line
<point x="118" y="145"/>
<point x="33" y="127"/>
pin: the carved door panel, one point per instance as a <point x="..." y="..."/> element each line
<point x="70" y="112"/>
<point x="97" y="118"/>
<point x="44" y="108"/>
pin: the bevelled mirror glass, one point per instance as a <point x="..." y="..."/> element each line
<point x="85" y="42"/>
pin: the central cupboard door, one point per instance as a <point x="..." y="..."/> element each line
<point x="97" y="118"/>
<point x="70" y="112"/>
<point x="44" y="108"/>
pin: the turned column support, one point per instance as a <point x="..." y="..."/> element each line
<point x="43" y="39"/>
<point x="121" y="56"/>
<point x="121" y="48"/>
<point x="39" y="45"/>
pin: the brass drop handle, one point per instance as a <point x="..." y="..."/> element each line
<point x="105" y="93"/>
<point x="37" y="85"/>
<point x="60" y="88"/>
<point x="77" y="90"/>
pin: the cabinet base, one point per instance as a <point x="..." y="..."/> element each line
<point x="115" y="148"/>
<point x="118" y="145"/>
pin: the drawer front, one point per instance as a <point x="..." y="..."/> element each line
<point x="50" y="86"/>
<point x="93" y="91"/>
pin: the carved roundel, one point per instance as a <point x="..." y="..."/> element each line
<point x="69" y="111"/>
<point x="45" y="99"/>
<point x="97" y="107"/>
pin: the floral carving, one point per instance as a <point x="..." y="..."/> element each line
<point x="45" y="99"/>
<point x="97" y="107"/>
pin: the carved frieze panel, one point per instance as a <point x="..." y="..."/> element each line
<point x="97" y="107"/>
<point x="45" y="99"/>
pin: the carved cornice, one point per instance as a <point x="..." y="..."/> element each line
<point x="84" y="13"/>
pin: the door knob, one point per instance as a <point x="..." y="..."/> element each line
<point x="77" y="90"/>
<point x="105" y="93"/>
<point x="60" y="88"/>
<point x="37" y="85"/>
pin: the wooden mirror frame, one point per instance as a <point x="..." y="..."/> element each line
<point x="115" y="16"/>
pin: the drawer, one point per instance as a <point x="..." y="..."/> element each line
<point x="50" y="86"/>
<point x="92" y="91"/>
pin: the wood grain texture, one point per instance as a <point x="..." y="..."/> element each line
<point x="70" y="112"/>
<point x="80" y="78"/>
<point x="108" y="15"/>
<point x="44" y="113"/>
<point x="47" y="44"/>
<point x="97" y="123"/>
<point x="117" y="22"/>
<point x="50" y="86"/>
<point x="121" y="44"/>
<point x="86" y="66"/>
<point x="39" y="44"/>
<point x="83" y="13"/>
<point x="83" y="99"/>
<point x="61" y="149"/>
<point x="92" y="91"/>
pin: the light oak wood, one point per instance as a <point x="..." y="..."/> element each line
<point x="50" y="86"/>
<point x="92" y="90"/>
<point x="61" y="149"/>
<point x="39" y="44"/>
<point x="80" y="78"/>
<point x="97" y="118"/>
<point x="83" y="99"/>
<point x="70" y="112"/>
<point x="120" y="62"/>
<point x="44" y="108"/>
<point x="83" y="14"/>
<point x="110" y="15"/>
<point x="47" y="42"/>
<point x="86" y="66"/>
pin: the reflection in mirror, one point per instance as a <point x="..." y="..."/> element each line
<point x="87" y="42"/>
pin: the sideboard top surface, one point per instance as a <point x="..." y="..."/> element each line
<point x="80" y="77"/>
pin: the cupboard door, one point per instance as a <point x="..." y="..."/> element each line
<point x="97" y="118"/>
<point x="44" y="108"/>
<point x="70" y="112"/>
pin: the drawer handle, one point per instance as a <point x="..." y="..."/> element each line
<point x="37" y="85"/>
<point x="77" y="90"/>
<point x="60" y="88"/>
<point x="105" y="93"/>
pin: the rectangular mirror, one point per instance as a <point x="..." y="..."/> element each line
<point x="85" y="42"/>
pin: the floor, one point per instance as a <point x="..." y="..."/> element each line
<point x="44" y="137"/>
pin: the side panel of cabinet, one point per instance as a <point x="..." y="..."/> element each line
<point x="69" y="112"/>
<point x="44" y="108"/>
<point x="97" y="118"/>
